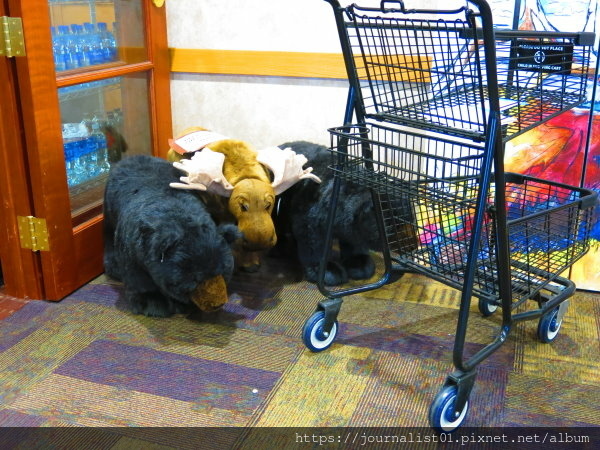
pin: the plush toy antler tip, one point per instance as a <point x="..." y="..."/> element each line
<point x="286" y="166"/>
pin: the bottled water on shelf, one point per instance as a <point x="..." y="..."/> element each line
<point x="100" y="155"/>
<point x="82" y="45"/>
<point x="85" y="150"/>
<point x="70" y="48"/>
<point x="69" y="147"/>
<point x="94" y="45"/>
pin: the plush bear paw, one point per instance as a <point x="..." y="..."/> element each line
<point x="111" y="268"/>
<point x="151" y="305"/>
<point x="359" y="267"/>
<point x="335" y="274"/>
<point x="250" y="268"/>
<point x="248" y="262"/>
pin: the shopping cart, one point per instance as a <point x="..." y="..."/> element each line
<point x="436" y="95"/>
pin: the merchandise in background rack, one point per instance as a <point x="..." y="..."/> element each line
<point x="436" y="94"/>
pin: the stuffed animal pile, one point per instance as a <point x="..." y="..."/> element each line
<point x="171" y="227"/>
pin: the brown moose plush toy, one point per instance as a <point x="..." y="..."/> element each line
<point x="244" y="183"/>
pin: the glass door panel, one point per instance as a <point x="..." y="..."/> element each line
<point x="102" y="122"/>
<point x="87" y="34"/>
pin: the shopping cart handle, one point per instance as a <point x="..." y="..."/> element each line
<point x="583" y="38"/>
<point x="481" y="4"/>
<point x="384" y="9"/>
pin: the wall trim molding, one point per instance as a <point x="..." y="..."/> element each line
<point x="261" y="63"/>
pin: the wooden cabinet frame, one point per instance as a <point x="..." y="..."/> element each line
<point x="20" y="267"/>
<point x="33" y="166"/>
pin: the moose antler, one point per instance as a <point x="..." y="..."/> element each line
<point x="205" y="170"/>
<point x="204" y="173"/>
<point x="286" y="166"/>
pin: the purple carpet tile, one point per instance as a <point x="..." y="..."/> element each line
<point x="488" y="397"/>
<point x="180" y="377"/>
<point x="101" y="294"/>
<point x="10" y="418"/>
<point x="22" y="323"/>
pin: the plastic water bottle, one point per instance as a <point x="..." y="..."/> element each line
<point x="84" y="45"/>
<point x="69" y="157"/>
<point x="64" y="35"/>
<point x="70" y="44"/>
<point x="100" y="155"/>
<point x="59" y="63"/>
<point x="74" y="157"/>
<point x="95" y="53"/>
<point x="79" y="43"/>
<point x="58" y="49"/>
<point x="109" y="43"/>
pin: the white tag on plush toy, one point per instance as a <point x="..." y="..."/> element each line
<point x="195" y="141"/>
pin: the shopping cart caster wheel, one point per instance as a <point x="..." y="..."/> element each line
<point x="487" y="308"/>
<point x="442" y="416"/>
<point x="313" y="335"/>
<point x="549" y="325"/>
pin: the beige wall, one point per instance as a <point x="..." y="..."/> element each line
<point x="261" y="110"/>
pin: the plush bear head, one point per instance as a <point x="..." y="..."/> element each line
<point x="190" y="260"/>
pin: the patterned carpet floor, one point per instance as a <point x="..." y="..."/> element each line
<point x="87" y="361"/>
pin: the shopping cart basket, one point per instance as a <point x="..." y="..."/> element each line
<point x="436" y="95"/>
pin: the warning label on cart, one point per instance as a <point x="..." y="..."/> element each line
<point x="548" y="57"/>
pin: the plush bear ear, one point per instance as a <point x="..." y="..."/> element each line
<point x="158" y="238"/>
<point x="168" y="249"/>
<point x="230" y="232"/>
<point x="363" y="211"/>
<point x="145" y="234"/>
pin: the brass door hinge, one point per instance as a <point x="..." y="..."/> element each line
<point x="33" y="233"/>
<point x="12" y="42"/>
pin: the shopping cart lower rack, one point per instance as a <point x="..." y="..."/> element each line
<point x="455" y="227"/>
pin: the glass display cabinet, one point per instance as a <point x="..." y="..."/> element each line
<point x="91" y="89"/>
<point x="86" y="36"/>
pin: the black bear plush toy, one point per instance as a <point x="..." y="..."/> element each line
<point x="161" y="242"/>
<point x="301" y="220"/>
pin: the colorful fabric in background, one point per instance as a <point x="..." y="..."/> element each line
<point x="566" y="149"/>
<point x="558" y="150"/>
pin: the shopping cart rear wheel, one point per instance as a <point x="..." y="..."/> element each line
<point x="486" y="307"/>
<point x="313" y="335"/>
<point x="442" y="416"/>
<point x="549" y="325"/>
